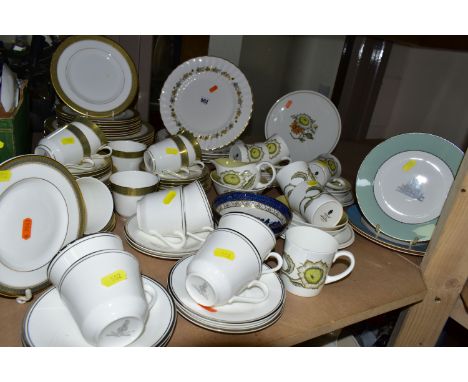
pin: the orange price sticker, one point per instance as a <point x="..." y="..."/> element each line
<point x="208" y="308"/>
<point x="27" y="228"/>
<point x="213" y="88"/>
<point x="288" y="104"/>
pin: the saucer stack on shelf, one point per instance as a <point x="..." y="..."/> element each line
<point x="102" y="170"/>
<point x="202" y="175"/>
<point x="342" y="190"/>
<point x="235" y="318"/>
<point x="209" y="155"/>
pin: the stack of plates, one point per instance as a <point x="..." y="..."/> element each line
<point x="102" y="170"/>
<point x="236" y="318"/>
<point x="111" y="225"/>
<point x="49" y="322"/>
<point x="341" y="191"/>
<point x="208" y="156"/>
<point x="152" y="246"/>
<point x="168" y="181"/>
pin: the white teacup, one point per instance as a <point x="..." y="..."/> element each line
<point x="308" y="255"/>
<point x="316" y="206"/>
<point x="98" y="201"/>
<point x="197" y="210"/>
<point x="278" y="150"/>
<point x="127" y="155"/>
<point x="293" y="174"/>
<point x="106" y="297"/>
<point x="193" y="149"/>
<point x="325" y="167"/>
<point x="259" y="234"/>
<point x="225" y="265"/>
<point x="242" y="175"/>
<point x="128" y="187"/>
<point x="243" y="152"/>
<point x="161" y="214"/>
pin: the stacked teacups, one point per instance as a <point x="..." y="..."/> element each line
<point x="76" y="145"/>
<point x="230" y="261"/>
<point x="173" y="156"/>
<point x="273" y="150"/>
<point x="101" y="286"/>
<point x="173" y="215"/>
<point x="306" y="196"/>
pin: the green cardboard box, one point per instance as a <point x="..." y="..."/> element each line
<point x="15" y="132"/>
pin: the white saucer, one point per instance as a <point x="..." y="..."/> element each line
<point x="230" y="314"/>
<point x="49" y="323"/>
<point x="345" y="237"/>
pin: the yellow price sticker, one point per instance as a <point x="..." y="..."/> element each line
<point x="224" y="253"/>
<point x="409" y="165"/>
<point x="114" y="278"/>
<point x="172" y="151"/>
<point x="169" y="197"/>
<point x="68" y="141"/>
<point x="5" y="175"/>
<point x="312" y="182"/>
<point x="2" y="145"/>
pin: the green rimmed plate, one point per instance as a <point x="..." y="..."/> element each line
<point x="403" y="182"/>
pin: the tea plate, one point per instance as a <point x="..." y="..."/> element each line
<point x="270" y="211"/>
<point x="235" y="313"/>
<point x="93" y="75"/>
<point x="49" y="322"/>
<point x="403" y="182"/>
<point x="308" y="122"/>
<point x="210" y="98"/>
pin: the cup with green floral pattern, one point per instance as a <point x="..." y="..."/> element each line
<point x="291" y="175"/>
<point x="278" y="151"/>
<point x="325" y="167"/>
<point x="242" y="175"/>
<point x="308" y="255"/>
<point x="243" y="152"/>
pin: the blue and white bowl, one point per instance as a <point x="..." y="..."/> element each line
<point x="270" y="211"/>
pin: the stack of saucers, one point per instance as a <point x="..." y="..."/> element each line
<point x="152" y="246"/>
<point x="101" y="170"/>
<point x="168" y="181"/>
<point x="341" y="190"/>
<point x="111" y="225"/>
<point x="209" y="155"/>
<point x="235" y="318"/>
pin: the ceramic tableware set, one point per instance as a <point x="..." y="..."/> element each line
<point x="186" y="224"/>
<point x="99" y="298"/>
<point x="10" y="89"/>
<point x="226" y="286"/>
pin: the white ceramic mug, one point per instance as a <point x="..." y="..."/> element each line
<point x="278" y="151"/>
<point x="196" y="210"/>
<point x="259" y="234"/>
<point x="293" y="174"/>
<point x="127" y="155"/>
<point x="308" y="255"/>
<point x="242" y="175"/>
<point x="315" y="206"/>
<point x="98" y="201"/>
<point x="226" y="265"/>
<point x="325" y="167"/>
<point x="161" y="214"/>
<point x="106" y="297"/>
<point x="128" y="187"/>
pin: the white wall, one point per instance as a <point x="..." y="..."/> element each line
<point x="423" y="90"/>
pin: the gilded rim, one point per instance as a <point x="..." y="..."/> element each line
<point x="62" y="114"/>
<point x="196" y="145"/>
<point x="182" y="150"/>
<point x="81" y="137"/>
<point x="95" y="128"/>
<point x="128" y="154"/>
<point x="56" y="84"/>
<point x="132" y="191"/>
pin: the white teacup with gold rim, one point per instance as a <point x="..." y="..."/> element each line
<point x="167" y="156"/>
<point x="197" y="211"/>
<point x="309" y="253"/>
<point x="127" y="155"/>
<point x="325" y="167"/>
<point x="242" y="175"/>
<point x="225" y="266"/>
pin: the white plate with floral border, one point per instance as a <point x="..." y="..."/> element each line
<point x="209" y="97"/>
<point x="308" y="122"/>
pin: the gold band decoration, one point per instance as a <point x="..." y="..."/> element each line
<point x="81" y="137"/>
<point x="132" y="191"/>
<point x="182" y="150"/>
<point x="92" y="126"/>
<point x="196" y="145"/>
<point x="127" y="154"/>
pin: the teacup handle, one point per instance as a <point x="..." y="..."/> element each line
<point x="199" y="163"/>
<point x="287" y="160"/>
<point x="170" y="172"/>
<point x="180" y="235"/>
<point x="102" y="156"/>
<point x="259" y="167"/>
<point x="80" y="165"/>
<point x="340" y="181"/>
<point x="251" y="300"/>
<point x="201" y="239"/>
<point x="150" y="295"/>
<point x="346" y="272"/>
<point x="279" y="260"/>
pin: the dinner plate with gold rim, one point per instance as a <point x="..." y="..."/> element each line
<point x="122" y="118"/>
<point x="49" y="323"/>
<point x="209" y="97"/>
<point x="25" y="226"/>
<point x="93" y="75"/>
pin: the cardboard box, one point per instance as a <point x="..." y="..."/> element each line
<point x="15" y="132"/>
